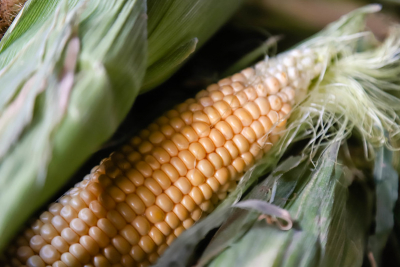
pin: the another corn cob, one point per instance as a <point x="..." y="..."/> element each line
<point x="137" y="201"/>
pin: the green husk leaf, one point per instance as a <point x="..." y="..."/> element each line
<point x="174" y="23"/>
<point x="387" y="184"/>
<point x="29" y="22"/>
<point x="81" y="74"/>
<point x="276" y="188"/>
<point x="155" y="74"/>
<point x="331" y="229"/>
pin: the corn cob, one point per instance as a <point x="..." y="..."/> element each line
<point x="130" y="208"/>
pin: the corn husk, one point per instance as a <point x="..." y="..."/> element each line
<point x="331" y="208"/>
<point x="64" y="90"/>
<point x="331" y="219"/>
<point x="386" y="179"/>
<point x="179" y="27"/>
<point x="70" y="70"/>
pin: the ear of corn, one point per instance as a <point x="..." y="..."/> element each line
<point x="137" y="201"/>
<point x="76" y="67"/>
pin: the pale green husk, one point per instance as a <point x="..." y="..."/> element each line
<point x="64" y="91"/>
<point x="176" y="28"/>
<point x="70" y="71"/>
<point x="350" y="98"/>
<point x="331" y="219"/>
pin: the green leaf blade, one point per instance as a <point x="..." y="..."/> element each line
<point x="329" y="228"/>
